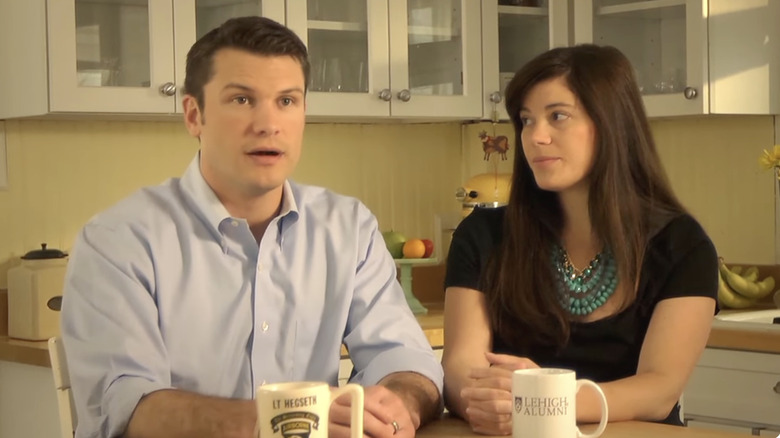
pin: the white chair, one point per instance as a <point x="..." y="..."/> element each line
<point x="59" y="367"/>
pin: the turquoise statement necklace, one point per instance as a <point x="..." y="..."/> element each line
<point x="582" y="292"/>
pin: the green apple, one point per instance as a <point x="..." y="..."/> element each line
<point x="395" y="243"/>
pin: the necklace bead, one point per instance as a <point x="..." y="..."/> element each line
<point x="582" y="292"/>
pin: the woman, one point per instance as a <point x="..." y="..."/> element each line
<point x="593" y="265"/>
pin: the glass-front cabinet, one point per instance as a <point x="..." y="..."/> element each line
<point x="102" y="57"/>
<point x="128" y="56"/>
<point x="379" y="58"/>
<point x="194" y="18"/>
<point x="665" y="40"/>
<point x="513" y="32"/>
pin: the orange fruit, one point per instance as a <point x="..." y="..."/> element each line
<point x="414" y="249"/>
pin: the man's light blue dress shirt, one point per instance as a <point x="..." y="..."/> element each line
<point x="167" y="290"/>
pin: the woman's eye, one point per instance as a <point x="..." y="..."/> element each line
<point x="560" y="116"/>
<point x="525" y="121"/>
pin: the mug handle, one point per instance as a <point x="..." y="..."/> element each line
<point x="604" y="409"/>
<point x="356" y="393"/>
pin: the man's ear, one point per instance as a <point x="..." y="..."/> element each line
<point x="193" y="116"/>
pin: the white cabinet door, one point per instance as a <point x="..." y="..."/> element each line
<point x="511" y="36"/>
<point x="744" y="56"/>
<point x="399" y="58"/>
<point x="110" y="57"/>
<point x="194" y="18"/>
<point x="735" y="387"/>
<point x="348" y="42"/>
<point x="665" y="40"/>
<point x="435" y="58"/>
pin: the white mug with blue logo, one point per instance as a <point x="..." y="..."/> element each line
<point x="545" y="401"/>
<point x="300" y="409"/>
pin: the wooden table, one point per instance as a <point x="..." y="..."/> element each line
<point x="450" y="427"/>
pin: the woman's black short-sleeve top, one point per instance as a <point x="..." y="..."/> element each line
<point x="680" y="261"/>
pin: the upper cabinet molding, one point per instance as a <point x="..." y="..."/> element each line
<point x="390" y="59"/>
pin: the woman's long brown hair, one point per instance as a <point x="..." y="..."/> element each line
<point x="627" y="183"/>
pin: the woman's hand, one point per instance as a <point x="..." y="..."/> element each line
<point x="489" y="399"/>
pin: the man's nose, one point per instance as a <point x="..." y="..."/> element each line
<point x="265" y="119"/>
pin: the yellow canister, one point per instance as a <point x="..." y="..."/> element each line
<point x="486" y="190"/>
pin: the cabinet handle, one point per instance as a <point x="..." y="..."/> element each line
<point x="495" y="97"/>
<point x="690" y="93"/>
<point x="168" y="89"/>
<point x="404" y="95"/>
<point x="777" y="387"/>
<point x="386" y="95"/>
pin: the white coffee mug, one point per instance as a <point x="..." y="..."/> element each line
<point x="300" y="409"/>
<point x="545" y="401"/>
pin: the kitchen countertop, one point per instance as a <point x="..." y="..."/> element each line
<point x="762" y="340"/>
<point x="450" y="427"/>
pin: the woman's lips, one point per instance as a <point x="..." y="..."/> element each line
<point x="544" y="160"/>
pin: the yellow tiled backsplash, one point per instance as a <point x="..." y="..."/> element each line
<point x="62" y="172"/>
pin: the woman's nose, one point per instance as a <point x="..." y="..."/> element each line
<point x="539" y="132"/>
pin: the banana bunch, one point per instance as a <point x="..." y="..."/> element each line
<point x="739" y="287"/>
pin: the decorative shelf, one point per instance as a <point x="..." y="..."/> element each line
<point x="650" y="5"/>
<point x="338" y="26"/>
<point x="523" y="10"/>
<point x="406" y="281"/>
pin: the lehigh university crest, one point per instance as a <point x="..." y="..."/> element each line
<point x="518" y="404"/>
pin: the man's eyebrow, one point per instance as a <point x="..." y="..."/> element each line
<point x="237" y="85"/>
<point x="292" y="90"/>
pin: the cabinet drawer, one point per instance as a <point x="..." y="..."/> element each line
<point x="735" y="387"/>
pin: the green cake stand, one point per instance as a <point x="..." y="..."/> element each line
<point x="406" y="281"/>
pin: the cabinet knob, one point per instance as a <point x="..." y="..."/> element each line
<point x="168" y="89"/>
<point x="495" y="97"/>
<point x="690" y="93"/>
<point x="386" y="95"/>
<point x="777" y="387"/>
<point x="404" y="95"/>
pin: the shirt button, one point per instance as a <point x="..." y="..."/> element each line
<point x="234" y="223"/>
<point x="260" y="267"/>
<point x="265" y="326"/>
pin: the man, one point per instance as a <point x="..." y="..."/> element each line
<point x="183" y="298"/>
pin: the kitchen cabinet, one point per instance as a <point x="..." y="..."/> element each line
<point x="391" y="58"/>
<point x="692" y="56"/>
<point x="28" y="401"/>
<point x="730" y="388"/>
<point x="105" y="56"/>
<point x="511" y="36"/>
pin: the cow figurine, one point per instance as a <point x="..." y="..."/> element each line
<point x="490" y="144"/>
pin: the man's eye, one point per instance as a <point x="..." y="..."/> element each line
<point x="287" y="101"/>
<point x="241" y="100"/>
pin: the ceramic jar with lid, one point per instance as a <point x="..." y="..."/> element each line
<point x="35" y="294"/>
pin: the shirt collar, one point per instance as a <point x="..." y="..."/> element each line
<point x="210" y="207"/>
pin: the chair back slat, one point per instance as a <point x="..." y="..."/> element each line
<point x="59" y="368"/>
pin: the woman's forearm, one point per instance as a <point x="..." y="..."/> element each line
<point x="646" y="396"/>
